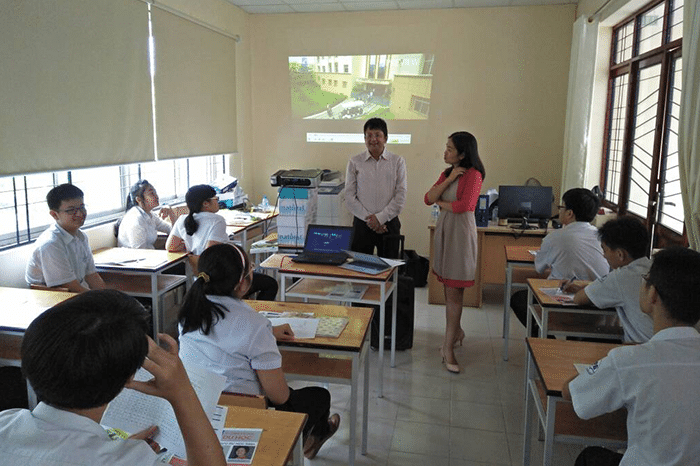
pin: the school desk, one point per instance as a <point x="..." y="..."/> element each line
<point x="20" y="307"/>
<point x="562" y="320"/>
<point x="550" y="363"/>
<point x="490" y="261"/>
<point x="281" y="432"/>
<point x="244" y="225"/>
<point x="330" y="360"/>
<point x="139" y="272"/>
<point x="327" y="282"/>
<point x="518" y="258"/>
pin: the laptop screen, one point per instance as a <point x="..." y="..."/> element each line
<point x="327" y="238"/>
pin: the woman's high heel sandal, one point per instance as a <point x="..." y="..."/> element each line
<point x="453" y="368"/>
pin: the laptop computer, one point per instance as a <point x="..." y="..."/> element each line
<point x="325" y="244"/>
<point x="366" y="263"/>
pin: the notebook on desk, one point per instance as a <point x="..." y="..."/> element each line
<point x="366" y="263"/>
<point x="325" y="244"/>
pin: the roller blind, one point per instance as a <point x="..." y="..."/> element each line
<point x="74" y="84"/>
<point x="195" y="88"/>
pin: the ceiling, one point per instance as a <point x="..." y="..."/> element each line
<point x="318" y="6"/>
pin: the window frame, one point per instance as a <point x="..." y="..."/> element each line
<point x="27" y="231"/>
<point x="665" y="54"/>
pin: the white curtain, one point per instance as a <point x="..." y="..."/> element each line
<point x="74" y="84"/>
<point x="689" y="131"/>
<point x="195" y="88"/>
<point x="578" y="103"/>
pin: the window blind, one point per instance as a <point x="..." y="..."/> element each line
<point x="195" y="88"/>
<point x="74" y="84"/>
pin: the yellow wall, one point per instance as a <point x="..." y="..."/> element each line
<point x="500" y="73"/>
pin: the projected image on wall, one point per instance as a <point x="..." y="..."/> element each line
<point x="393" y="87"/>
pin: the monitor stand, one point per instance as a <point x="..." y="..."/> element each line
<point x="524" y="225"/>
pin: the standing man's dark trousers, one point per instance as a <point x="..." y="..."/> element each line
<point x="365" y="239"/>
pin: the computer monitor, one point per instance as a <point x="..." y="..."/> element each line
<point x="533" y="202"/>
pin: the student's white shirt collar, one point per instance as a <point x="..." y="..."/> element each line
<point x="675" y="333"/>
<point x="67" y="419"/>
<point x="65" y="236"/>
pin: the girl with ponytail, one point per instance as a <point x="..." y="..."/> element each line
<point x="222" y="333"/>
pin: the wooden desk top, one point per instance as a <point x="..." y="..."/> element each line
<point x="22" y="305"/>
<point x="545" y="300"/>
<point x="135" y="260"/>
<point x="520" y="253"/>
<point x="554" y="359"/>
<point x="495" y="229"/>
<point x="284" y="263"/>
<point x="243" y="219"/>
<point x="281" y="430"/>
<point x="351" y="339"/>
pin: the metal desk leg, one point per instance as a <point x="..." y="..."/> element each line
<point x="353" y="406"/>
<point x="365" y="400"/>
<point x="527" y="436"/>
<point x="283" y="288"/>
<point x="549" y="430"/>
<point x="298" y="452"/>
<point x="155" y="305"/>
<point x="394" y="303"/>
<point x="506" y="309"/>
<point x="380" y="340"/>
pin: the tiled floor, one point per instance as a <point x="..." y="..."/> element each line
<point x="429" y="416"/>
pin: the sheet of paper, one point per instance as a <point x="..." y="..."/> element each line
<point x="303" y="328"/>
<point x="559" y="295"/>
<point x="581" y="368"/>
<point x="348" y="291"/>
<point x="132" y="411"/>
<point x="533" y="252"/>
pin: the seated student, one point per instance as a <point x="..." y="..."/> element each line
<point x="62" y="256"/>
<point x="656" y="381"/>
<point x="139" y="227"/>
<point x="625" y="241"/>
<point x="202" y="228"/>
<point x="222" y="333"/>
<point x="574" y="251"/>
<point x="78" y="356"/>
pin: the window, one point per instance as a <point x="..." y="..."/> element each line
<point x="420" y="105"/>
<point x="335" y="83"/>
<point x="640" y="174"/>
<point x="345" y="84"/>
<point x="346" y="68"/>
<point x="24" y="213"/>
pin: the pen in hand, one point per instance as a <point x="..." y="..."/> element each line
<point x="566" y="283"/>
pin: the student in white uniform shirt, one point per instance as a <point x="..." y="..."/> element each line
<point x="573" y="251"/>
<point x="62" y="256"/>
<point x="78" y="356"/>
<point x="223" y="334"/>
<point x="139" y="227"/>
<point x="202" y="228"/>
<point x="657" y="381"/>
<point x="625" y="244"/>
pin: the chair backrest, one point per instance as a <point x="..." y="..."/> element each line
<point x="241" y="399"/>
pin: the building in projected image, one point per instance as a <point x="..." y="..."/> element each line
<point x="362" y="86"/>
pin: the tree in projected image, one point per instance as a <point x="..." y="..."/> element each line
<point x="361" y="86"/>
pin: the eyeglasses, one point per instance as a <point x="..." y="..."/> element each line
<point x="563" y="207"/>
<point x="645" y="277"/>
<point x="74" y="210"/>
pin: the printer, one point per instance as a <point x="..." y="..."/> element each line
<point x="310" y="178"/>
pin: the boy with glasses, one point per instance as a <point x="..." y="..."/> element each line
<point x="572" y="252"/>
<point x="62" y="257"/>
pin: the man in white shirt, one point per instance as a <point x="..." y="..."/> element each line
<point x="375" y="192"/>
<point x="572" y="252"/>
<point x="656" y="381"/>
<point x="62" y="256"/>
<point x="625" y="244"/>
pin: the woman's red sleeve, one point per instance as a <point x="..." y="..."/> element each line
<point x="468" y="191"/>
<point x="440" y="180"/>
